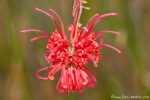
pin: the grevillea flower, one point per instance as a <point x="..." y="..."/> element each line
<point x="71" y="56"/>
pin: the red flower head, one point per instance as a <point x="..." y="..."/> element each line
<point x="71" y="56"/>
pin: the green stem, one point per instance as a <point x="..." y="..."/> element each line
<point x="78" y="21"/>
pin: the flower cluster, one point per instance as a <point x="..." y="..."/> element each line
<point x="72" y="56"/>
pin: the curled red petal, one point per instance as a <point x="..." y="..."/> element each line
<point x="58" y="87"/>
<point x="53" y="71"/>
<point x="40" y="70"/>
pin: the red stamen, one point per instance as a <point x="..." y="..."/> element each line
<point x="91" y="71"/>
<point x="72" y="81"/>
<point x="91" y="19"/>
<point x="58" y="87"/>
<point x="39" y="37"/>
<point x="93" y="81"/>
<point x="64" y="80"/>
<point x="75" y="21"/>
<point x="101" y="40"/>
<point x="73" y="77"/>
<point x="34" y="30"/>
<point x="81" y="33"/>
<point x="37" y="9"/>
<point x="53" y="71"/>
<point x="42" y="78"/>
<point x="85" y="77"/>
<point x="91" y="57"/>
<point x="106" y="31"/>
<point x="82" y="89"/>
<point x="79" y="80"/>
<point x="119" y="52"/>
<point x="46" y="55"/>
<point x="70" y="85"/>
<point x="61" y="22"/>
<point x="97" y="20"/>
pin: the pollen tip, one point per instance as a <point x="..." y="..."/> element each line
<point x="114" y="14"/>
<point x="50" y="10"/>
<point x="119" y="52"/>
<point x="118" y="33"/>
<point x="51" y="77"/>
<point x="86" y="29"/>
<point x="84" y="83"/>
<point x="22" y="32"/>
<point x="32" y="40"/>
<point x="65" y="86"/>
<point x="95" y="65"/>
<point x="36" y="9"/>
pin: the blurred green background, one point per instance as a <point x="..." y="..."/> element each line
<point x="127" y="74"/>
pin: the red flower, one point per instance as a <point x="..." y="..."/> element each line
<point x="71" y="56"/>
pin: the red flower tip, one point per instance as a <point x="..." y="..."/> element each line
<point x="119" y="52"/>
<point x="118" y="33"/>
<point x="36" y="9"/>
<point x="22" y="32"/>
<point x="113" y="14"/>
<point x="51" y="77"/>
<point x="50" y="10"/>
<point x="32" y="40"/>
